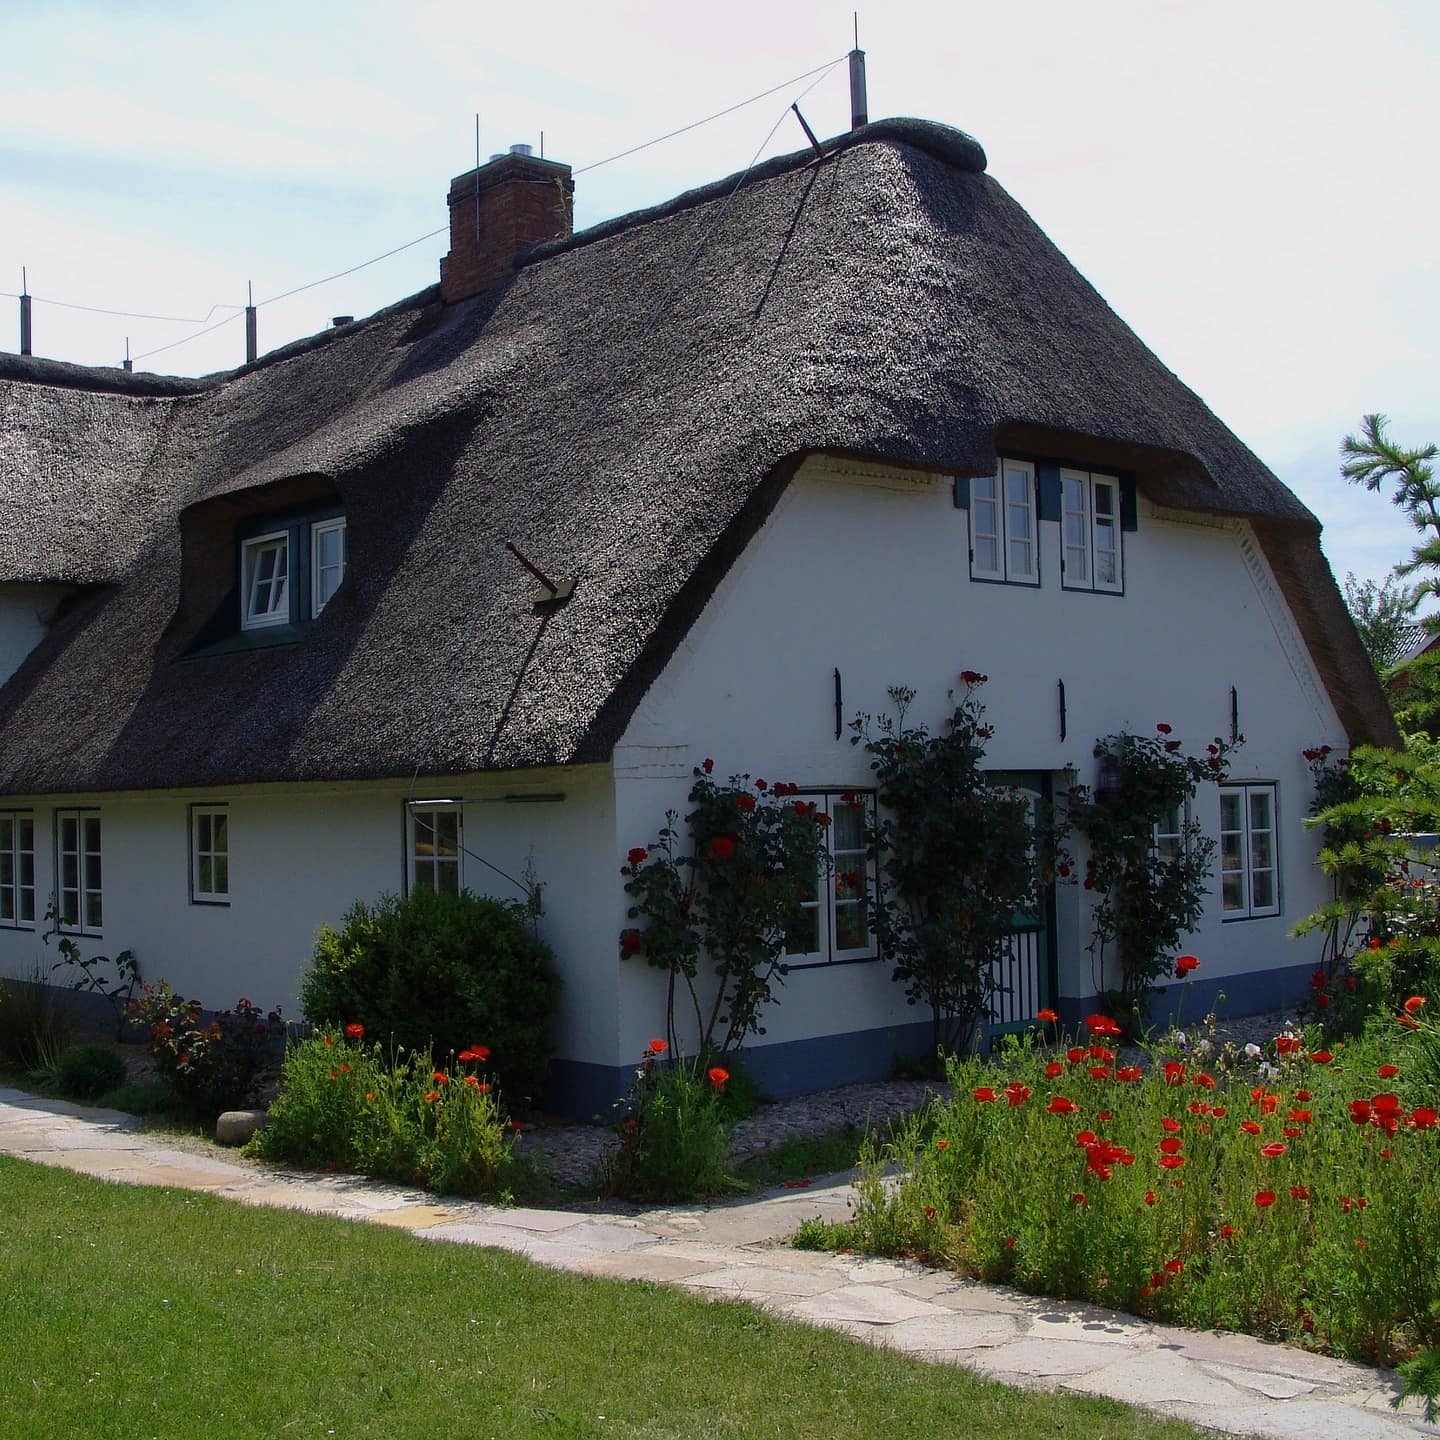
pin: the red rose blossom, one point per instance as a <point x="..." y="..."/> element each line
<point x="638" y="856"/>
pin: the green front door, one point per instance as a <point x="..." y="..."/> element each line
<point x="1024" y="978"/>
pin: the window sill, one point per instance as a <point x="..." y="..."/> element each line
<point x="245" y="640"/>
<point x="792" y="966"/>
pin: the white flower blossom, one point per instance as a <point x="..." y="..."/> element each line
<point x="1252" y="1051"/>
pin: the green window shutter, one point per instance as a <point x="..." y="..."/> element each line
<point x="1128" y="510"/>
<point x="962" y="492"/>
<point x="1047" y="475"/>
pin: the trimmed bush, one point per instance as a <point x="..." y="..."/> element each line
<point x="441" y="972"/>
<point x="88" y="1073"/>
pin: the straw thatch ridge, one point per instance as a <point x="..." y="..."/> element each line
<point x="891" y="302"/>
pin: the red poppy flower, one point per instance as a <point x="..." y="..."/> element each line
<point x="717" y="1075"/>
<point x="1086" y="1137"/>
<point x="1184" y="964"/>
<point x="1016" y="1093"/>
<point x="1075" y="1054"/>
<point x="1059" y="1105"/>
<point x="1414" y="1005"/>
<point x="1287" y="1044"/>
<point x="722" y="847"/>
<point x="984" y="1094"/>
<point x="1099" y="1072"/>
<point x="1102" y="1025"/>
<point x="1053" y="1069"/>
<point x="440" y="1078"/>
<point x="1250" y="1127"/>
<point x="1303" y="1095"/>
<point x="1301" y="1117"/>
<point x="1172" y="1127"/>
<point x="1130" y="1074"/>
<point x="1204" y="1081"/>
<point x="431" y="1097"/>
<point x="1151" y="1197"/>
<point x="1388" y="1072"/>
<point x="1077" y="1197"/>
<point x="1322" y="1057"/>
<point x="354" y="1032"/>
<point x="1174" y="1267"/>
<point x="942" y="1144"/>
<point x="1423" y="1117"/>
<point x="1386" y="1104"/>
<point x="1299" y="1192"/>
<point x="1360" y="1111"/>
<point x="1291" y="1131"/>
<point x="1170" y="1145"/>
<point x="657" y="1047"/>
<point x="1172" y="1162"/>
<point x="1264" y="1198"/>
<point x="1099" y="1052"/>
<point x="1226" y="1231"/>
<point x="638" y="856"/>
<point x="1047" y="1017"/>
<point x="1174" y="1073"/>
<point x="631" y="942"/>
<point x="1273" y="1149"/>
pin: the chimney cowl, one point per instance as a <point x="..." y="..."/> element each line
<point x="499" y="211"/>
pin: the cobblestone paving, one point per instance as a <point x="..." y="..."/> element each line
<point x="735" y="1251"/>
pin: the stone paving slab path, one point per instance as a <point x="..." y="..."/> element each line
<point x="1232" y="1383"/>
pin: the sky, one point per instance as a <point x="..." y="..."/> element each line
<point x="1249" y="183"/>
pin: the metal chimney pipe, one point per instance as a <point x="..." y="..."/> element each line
<point x="859" y="105"/>
<point x="26" y="336"/>
<point x="252" y="346"/>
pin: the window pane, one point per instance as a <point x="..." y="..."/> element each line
<point x="202" y="832"/>
<point x="1262" y="888"/>
<point x="221" y="836"/>
<point x="1232" y="891"/>
<point x="424" y="835"/>
<point x="1230" y="811"/>
<point x="1259" y="809"/>
<point x="848" y="823"/>
<point x="222" y="875"/>
<point x="449" y="877"/>
<point x="850" y="927"/>
<point x="803" y="936"/>
<point x="987" y="555"/>
<point x="92" y="909"/>
<point x="447" y="833"/>
<point x="1262" y="850"/>
<point x="204" y="882"/>
<point x="424" y="876"/>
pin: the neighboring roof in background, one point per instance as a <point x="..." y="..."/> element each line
<point x="890" y="302"/>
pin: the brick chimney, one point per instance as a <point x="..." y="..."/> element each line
<point x="523" y="201"/>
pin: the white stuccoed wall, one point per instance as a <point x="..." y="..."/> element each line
<point x="301" y="855"/>
<point x="867" y="571"/>
<point x="25" y="615"/>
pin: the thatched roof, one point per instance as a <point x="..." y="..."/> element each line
<point x="889" y="302"/>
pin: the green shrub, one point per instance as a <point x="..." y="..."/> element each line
<point x="36" y="1024"/>
<point x="345" y="1104"/>
<point x="87" y="1073"/>
<point x="675" y="1140"/>
<point x="441" y="971"/>
<point x="208" y="1066"/>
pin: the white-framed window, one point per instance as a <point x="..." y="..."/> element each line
<point x="1249" y="862"/>
<point x="1004" y="540"/>
<point x="17" y="868"/>
<point x="835" y="922"/>
<point x="78" y="890"/>
<point x="209" y="855"/>
<point x="327" y="561"/>
<point x="265" y="581"/>
<point x="435" y="852"/>
<point x="1090" y="554"/>
<point x="1171" y="838"/>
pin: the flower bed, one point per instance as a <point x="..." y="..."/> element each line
<point x="1294" y="1198"/>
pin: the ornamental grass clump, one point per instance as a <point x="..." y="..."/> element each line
<point x="347" y="1105"/>
<point x="1295" y="1201"/>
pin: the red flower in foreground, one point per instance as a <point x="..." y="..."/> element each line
<point x="984" y="1094"/>
<point x="1250" y="1127"/>
<point x="440" y="1078"/>
<point x="638" y="856"/>
<point x="1226" y="1231"/>
<point x="1059" y="1105"/>
<point x="657" y="1047"/>
<point x="745" y="803"/>
<point x="1185" y="964"/>
<point x="1264" y="1198"/>
<point x="722" y="847"/>
<point x="475" y="1055"/>
<point x="1388" y="1072"/>
<point x="1151" y="1197"/>
<point x="707" y="765"/>
<point x="717" y="1076"/>
<point x="1174" y="1073"/>
<point x="1171" y="1145"/>
<point x="1104" y="1025"/>
<point x="1047" y="1017"/>
<point x="1016" y="1093"/>
<point x="1130" y="1074"/>
<point x="1053" y="1069"/>
<point x="354" y="1032"/>
<point x="1322" y="1057"/>
<point x="1423" y="1117"/>
<point x="1414" y="1005"/>
<point x="1272" y="1150"/>
<point x="1299" y="1192"/>
<point x="1287" y="1044"/>
<point x="1174" y="1267"/>
<point x="1172" y="1162"/>
<point x="432" y="1096"/>
<point x="1171" y="1127"/>
<point x="1360" y="1111"/>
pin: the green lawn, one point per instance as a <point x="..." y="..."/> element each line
<point x="147" y="1313"/>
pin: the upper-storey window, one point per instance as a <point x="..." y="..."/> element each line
<point x="290" y="568"/>
<point x="1004" y="544"/>
<point x="327" y="561"/>
<point x="1090" y="557"/>
<point x="265" y="581"/>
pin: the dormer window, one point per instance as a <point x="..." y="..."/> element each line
<point x="265" y="581"/>
<point x="327" y="561"/>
